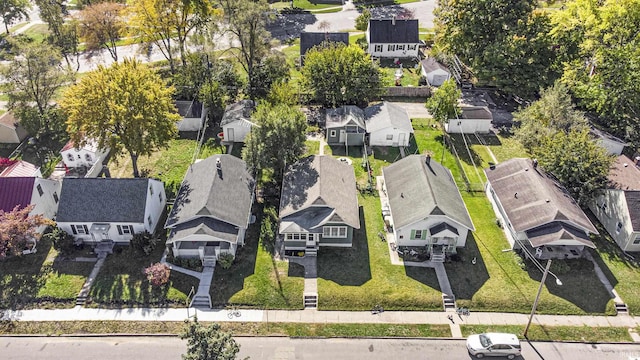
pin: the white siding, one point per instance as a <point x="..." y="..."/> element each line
<point x="112" y="234"/>
<point x="468" y="126"/>
<point x="436" y="77"/>
<point x="379" y="137"/>
<point x="383" y="50"/>
<point x="74" y="158"/>
<point x="155" y="206"/>
<point x="240" y="131"/>
<point x="611" y="208"/>
<point x="403" y="235"/>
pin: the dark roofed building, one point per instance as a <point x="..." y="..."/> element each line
<point x="193" y="114"/>
<point x="15" y="191"/>
<point x="309" y="40"/>
<point x="393" y="38"/>
<point x="345" y="126"/>
<point x="319" y="204"/>
<point x="236" y="122"/>
<point x="538" y="214"/>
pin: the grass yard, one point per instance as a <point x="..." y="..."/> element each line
<point x="257" y="280"/>
<point x="556" y="333"/>
<point x="504" y="147"/>
<point x="121" y="282"/>
<point x="313" y="5"/>
<point x="41" y="280"/>
<point x="410" y="72"/>
<point x="37" y="32"/>
<point x="312" y="147"/>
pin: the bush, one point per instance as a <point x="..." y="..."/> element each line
<point x="143" y="243"/>
<point x="226" y="260"/>
<point x="157" y="274"/>
<point x="362" y="21"/>
<point x="61" y="240"/>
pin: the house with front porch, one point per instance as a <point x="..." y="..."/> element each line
<point x="318" y="206"/>
<point x="425" y="206"/>
<point x="212" y="210"/>
<point x="345" y="126"/>
<point x="538" y="215"/>
<point x="94" y="210"/>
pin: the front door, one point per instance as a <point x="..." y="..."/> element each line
<point x="401" y="138"/>
<point x="311" y="240"/>
<point x="229" y="136"/>
<point x="343" y="136"/>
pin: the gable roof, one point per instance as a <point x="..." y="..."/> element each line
<point x="393" y="31"/>
<point x="239" y="111"/>
<point x="319" y="182"/>
<point x="624" y="174"/>
<point x="476" y="112"/>
<point x="344" y="115"/>
<point x="15" y="191"/>
<point x="225" y="194"/>
<point x="531" y="198"/>
<point x="633" y="205"/>
<point x="206" y="226"/>
<point x="189" y="109"/>
<point x="7" y="119"/>
<point x="90" y="146"/>
<point x="556" y="231"/>
<point x="311" y="39"/>
<point x="20" y="169"/>
<point x="384" y="115"/>
<point x="417" y="189"/>
<point x="103" y="200"/>
<point x="430" y="64"/>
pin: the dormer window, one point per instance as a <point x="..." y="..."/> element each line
<point x="70" y="157"/>
<point x="88" y="158"/>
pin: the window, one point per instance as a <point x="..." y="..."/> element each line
<point x="411" y="47"/>
<point x="125" y="229"/>
<point x="55" y="197"/>
<point x="390" y="137"/>
<point x="151" y="190"/>
<point x="378" y="48"/>
<point x="160" y="196"/>
<point x="618" y="228"/>
<point x="39" y="187"/>
<point x="418" y="234"/>
<point x="70" y="157"/>
<point x="79" y="229"/>
<point x="391" y="47"/>
<point x="636" y="241"/>
<point x="332" y="133"/>
<point x="400" y="47"/>
<point x="88" y="158"/>
<point x="334" y="231"/>
<point x="149" y="221"/>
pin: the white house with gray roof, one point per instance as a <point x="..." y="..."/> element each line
<point x="538" y="214"/>
<point x="426" y="206"/>
<point x="97" y="209"/>
<point x="388" y="125"/>
<point x="319" y="205"/>
<point x="212" y="210"/>
<point x="236" y="122"/>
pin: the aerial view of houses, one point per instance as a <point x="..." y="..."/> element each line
<point x="450" y="168"/>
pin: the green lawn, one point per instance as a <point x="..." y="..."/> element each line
<point x="37" y="32"/>
<point x="121" y="282"/>
<point x="556" y="333"/>
<point x="504" y="147"/>
<point x="313" y="147"/>
<point x="42" y="279"/>
<point x="313" y="5"/>
<point x="410" y="72"/>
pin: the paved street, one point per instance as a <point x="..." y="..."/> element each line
<point x="283" y="348"/>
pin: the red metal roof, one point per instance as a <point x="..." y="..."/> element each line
<point x="15" y="191"/>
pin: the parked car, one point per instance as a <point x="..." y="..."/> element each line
<point x="494" y="344"/>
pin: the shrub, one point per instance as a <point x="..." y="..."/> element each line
<point x="362" y="21"/>
<point x="143" y="243"/>
<point x="5" y="163"/>
<point x="226" y="260"/>
<point x="61" y="240"/>
<point x="157" y="274"/>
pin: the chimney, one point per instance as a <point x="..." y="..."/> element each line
<point x="428" y="159"/>
<point x="535" y="163"/>
<point x="218" y="164"/>
<point x="515" y="195"/>
<point x="393" y="20"/>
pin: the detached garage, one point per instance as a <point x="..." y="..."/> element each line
<point x="473" y="119"/>
<point x="435" y="73"/>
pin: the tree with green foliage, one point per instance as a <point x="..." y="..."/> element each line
<point x="13" y="11"/>
<point x="126" y="108"/>
<point x="62" y="34"/>
<point x="553" y="112"/>
<point x="282" y="93"/>
<point x="576" y="160"/>
<point x="277" y="140"/>
<point x="443" y="103"/>
<point x="32" y="79"/>
<point x="337" y="75"/>
<point x="246" y="21"/>
<point x="208" y="343"/>
<point x="604" y="72"/>
<point x="362" y="21"/>
<point x="272" y="69"/>
<point x="504" y="41"/>
<point x="101" y="26"/>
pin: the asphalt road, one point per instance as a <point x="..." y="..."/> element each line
<point x="282" y="348"/>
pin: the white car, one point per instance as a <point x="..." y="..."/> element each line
<point x="494" y="344"/>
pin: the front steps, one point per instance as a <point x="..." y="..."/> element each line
<point x="449" y="302"/>
<point x="311" y="301"/>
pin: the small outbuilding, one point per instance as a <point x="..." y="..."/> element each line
<point x="435" y="73"/>
<point x="473" y="119"/>
<point x="236" y="122"/>
<point x="193" y="114"/>
<point x="10" y="130"/>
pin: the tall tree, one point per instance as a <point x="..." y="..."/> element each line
<point x="246" y="21"/>
<point x="271" y="70"/>
<point x="13" y="11"/>
<point x="605" y="73"/>
<point x="17" y="229"/>
<point x="337" y="74"/>
<point x="126" y="107"/>
<point x="277" y="140"/>
<point x="163" y="22"/>
<point x="553" y="112"/>
<point x="208" y="343"/>
<point x="576" y="160"/>
<point x="504" y="41"/>
<point x="62" y="34"/>
<point x="443" y="103"/>
<point x="32" y="79"/>
<point x="101" y="27"/>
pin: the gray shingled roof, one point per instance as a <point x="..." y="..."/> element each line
<point x="431" y="64"/>
<point x="103" y="200"/>
<point x="385" y="115"/>
<point x="205" y="226"/>
<point x="389" y="31"/>
<point x="189" y="109"/>
<point x="557" y="231"/>
<point x="476" y="112"/>
<point x="224" y="194"/>
<point x="633" y="204"/>
<point x="241" y="110"/>
<point x="417" y="190"/>
<point x="321" y="181"/>
<point x="311" y="39"/>
<point x="337" y="118"/>
<point x="540" y="199"/>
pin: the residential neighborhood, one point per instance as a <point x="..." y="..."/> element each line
<point x="363" y="165"/>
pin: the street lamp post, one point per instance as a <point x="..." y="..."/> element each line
<point x="535" y="302"/>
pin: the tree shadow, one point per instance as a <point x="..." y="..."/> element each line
<point x="286" y="27"/>
<point x="465" y="277"/>
<point x="21" y="277"/>
<point x="347" y="266"/>
<point x="299" y="178"/>
<point x="295" y="270"/>
<point x="490" y="139"/>
<point x="470" y="157"/>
